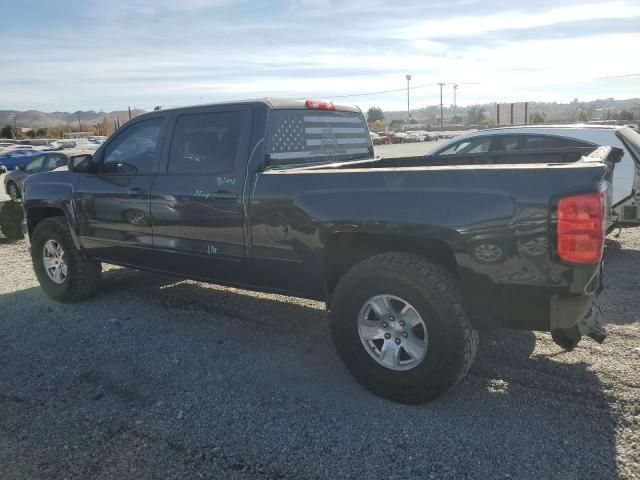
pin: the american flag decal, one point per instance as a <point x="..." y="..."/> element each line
<point x="307" y="135"/>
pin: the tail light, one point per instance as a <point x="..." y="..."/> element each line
<point x="319" y="105"/>
<point x="581" y="226"/>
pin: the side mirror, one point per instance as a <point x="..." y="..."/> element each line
<point x="81" y="163"/>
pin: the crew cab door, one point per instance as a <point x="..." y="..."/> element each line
<point x="196" y="199"/>
<point x="113" y="203"/>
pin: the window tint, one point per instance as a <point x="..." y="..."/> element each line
<point x="539" y="142"/>
<point x="34" y="165"/>
<point x="471" y="145"/>
<point x="134" y="150"/>
<point x="205" y="143"/>
<point x="54" y="161"/>
<point x="316" y="136"/>
<point x="505" y="143"/>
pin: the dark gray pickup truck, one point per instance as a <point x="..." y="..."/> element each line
<point x="411" y="255"/>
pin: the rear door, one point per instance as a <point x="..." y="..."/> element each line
<point x="196" y="200"/>
<point x="113" y="204"/>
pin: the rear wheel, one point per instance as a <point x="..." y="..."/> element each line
<point x="13" y="191"/>
<point x="398" y="324"/>
<point x="64" y="272"/>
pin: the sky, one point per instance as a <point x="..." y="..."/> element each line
<point x="108" y="55"/>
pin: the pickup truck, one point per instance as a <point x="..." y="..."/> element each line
<point x="411" y="255"/>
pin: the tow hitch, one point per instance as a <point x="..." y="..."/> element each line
<point x="590" y="325"/>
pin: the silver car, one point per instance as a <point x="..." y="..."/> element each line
<point x="14" y="181"/>
<point x="625" y="194"/>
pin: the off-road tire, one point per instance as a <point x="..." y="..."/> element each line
<point x="11" y="215"/>
<point x="83" y="274"/>
<point x="431" y="289"/>
<point x="13" y="191"/>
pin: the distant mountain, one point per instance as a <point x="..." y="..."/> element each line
<point x="36" y="119"/>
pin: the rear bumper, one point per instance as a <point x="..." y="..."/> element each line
<point x="568" y="313"/>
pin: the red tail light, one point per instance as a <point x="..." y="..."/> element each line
<point x="581" y="226"/>
<point x="318" y="105"/>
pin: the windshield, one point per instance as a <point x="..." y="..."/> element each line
<point x="312" y="136"/>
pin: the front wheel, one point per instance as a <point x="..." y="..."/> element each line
<point x="64" y="272"/>
<point x="398" y="324"/>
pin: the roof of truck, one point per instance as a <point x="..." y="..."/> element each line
<point x="273" y="103"/>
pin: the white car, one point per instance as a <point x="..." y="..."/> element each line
<point x="625" y="193"/>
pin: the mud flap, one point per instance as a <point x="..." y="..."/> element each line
<point x="591" y="326"/>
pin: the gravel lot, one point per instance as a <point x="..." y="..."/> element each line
<point x="163" y="378"/>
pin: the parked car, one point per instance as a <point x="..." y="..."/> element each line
<point x="376" y="139"/>
<point x="285" y="196"/>
<point x="13" y="158"/>
<point x="413" y="137"/>
<point x="398" y="137"/>
<point x="44" y="162"/>
<point x="625" y="192"/>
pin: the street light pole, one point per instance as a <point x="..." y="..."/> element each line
<point x="408" y="77"/>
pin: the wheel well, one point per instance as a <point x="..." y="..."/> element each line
<point x="7" y="186"/>
<point x="344" y="250"/>
<point x="36" y="214"/>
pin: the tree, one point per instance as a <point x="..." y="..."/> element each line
<point x="377" y="126"/>
<point x="31" y="133"/>
<point x="583" y="116"/>
<point x="537" y="117"/>
<point x="374" y="114"/>
<point x="7" y="132"/>
<point x="42" y="132"/>
<point x="626" y="115"/>
<point x="396" y="124"/>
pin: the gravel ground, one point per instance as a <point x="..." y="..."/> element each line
<point x="163" y="378"/>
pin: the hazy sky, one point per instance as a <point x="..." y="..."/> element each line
<point x="79" y="55"/>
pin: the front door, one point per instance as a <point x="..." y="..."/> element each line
<point x="196" y="200"/>
<point x="113" y="204"/>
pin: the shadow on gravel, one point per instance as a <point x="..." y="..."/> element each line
<point x="620" y="300"/>
<point x="215" y="396"/>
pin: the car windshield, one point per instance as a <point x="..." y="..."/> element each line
<point x="311" y="136"/>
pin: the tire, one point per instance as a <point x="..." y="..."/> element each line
<point x="11" y="215"/>
<point x="13" y="191"/>
<point x="82" y="275"/>
<point x="429" y="289"/>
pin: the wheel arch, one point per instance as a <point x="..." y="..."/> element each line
<point x="38" y="213"/>
<point x="344" y="250"/>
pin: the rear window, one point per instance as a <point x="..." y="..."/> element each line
<point x="313" y="136"/>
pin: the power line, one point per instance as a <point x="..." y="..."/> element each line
<point x="394" y="90"/>
<point x="620" y="76"/>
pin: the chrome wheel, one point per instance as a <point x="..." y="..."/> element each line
<point x="54" y="262"/>
<point x="393" y="332"/>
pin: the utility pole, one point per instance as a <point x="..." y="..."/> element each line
<point x="441" y="106"/>
<point x="79" y="125"/>
<point x="455" y="105"/>
<point x="15" y="125"/>
<point x="408" y="77"/>
<point x="129" y="113"/>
